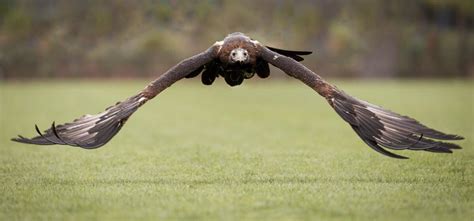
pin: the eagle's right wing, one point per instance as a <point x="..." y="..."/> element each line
<point x="93" y="131"/>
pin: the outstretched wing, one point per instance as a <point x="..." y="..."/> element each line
<point x="93" y="131"/>
<point x="263" y="69"/>
<point x="378" y="128"/>
<point x="383" y="128"/>
<point x="89" y="131"/>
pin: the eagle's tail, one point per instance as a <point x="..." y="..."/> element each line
<point x="289" y="53"/>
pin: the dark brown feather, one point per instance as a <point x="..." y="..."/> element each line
<point x="210" y="73"/>
<point x="382" y="128"/>
<point x="195" y="72"/>
<point x="377" y="127"/>
<point x="89" y="131"/>
<point x="93" y="131"/>
<point x="262" y="68"/>
<point x="289" y="53"/>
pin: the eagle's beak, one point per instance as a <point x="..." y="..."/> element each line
<point x="239" y="55"/>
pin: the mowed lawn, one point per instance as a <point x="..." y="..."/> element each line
<point x="262" y="151"/>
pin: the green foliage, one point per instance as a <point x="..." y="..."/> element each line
<point x="17" y="22"/>
<point x="466" y="6"/>
<point x="132" y="38"/>
<point x="262" y="151"/>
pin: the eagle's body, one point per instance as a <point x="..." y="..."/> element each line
<point x="236" y="58"/>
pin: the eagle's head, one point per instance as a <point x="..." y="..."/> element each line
<point x="238" y="49"/>
<point x="239" y="55"/>
<point x="237" y="58"/>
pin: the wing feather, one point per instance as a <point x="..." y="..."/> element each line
<point x="88" y="131"/>
<point x="377" y="127"/>
<point x="93" y="131"/>
<point x="387" y="129"/>
<point x="296" y="55"/>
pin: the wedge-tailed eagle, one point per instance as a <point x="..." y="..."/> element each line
<point x="239" y="57"/>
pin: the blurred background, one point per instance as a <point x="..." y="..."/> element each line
<point x="121" y="39"/>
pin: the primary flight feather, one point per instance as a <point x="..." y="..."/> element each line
<point x="236" y="58"/>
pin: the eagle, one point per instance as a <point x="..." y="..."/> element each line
<point x="240" y="57"/>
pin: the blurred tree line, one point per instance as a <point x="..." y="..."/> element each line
<point x="124" y="38"/>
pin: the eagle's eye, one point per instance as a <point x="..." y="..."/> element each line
<point x="238" y="55"/>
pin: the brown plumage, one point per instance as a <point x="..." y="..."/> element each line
<point x="236" y="58"/>
<point x="234" y="73"/>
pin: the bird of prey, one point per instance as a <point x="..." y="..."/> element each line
<point x="239" y="57"/>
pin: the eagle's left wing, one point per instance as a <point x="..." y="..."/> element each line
<point x="379" y="128"/>
<point x="93" y="131"/>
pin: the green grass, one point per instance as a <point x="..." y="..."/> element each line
<point x="262" y="151"/>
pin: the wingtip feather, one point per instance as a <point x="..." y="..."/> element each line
<point x="380" y="128"/>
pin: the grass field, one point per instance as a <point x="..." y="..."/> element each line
<point x="262" y="151"/>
